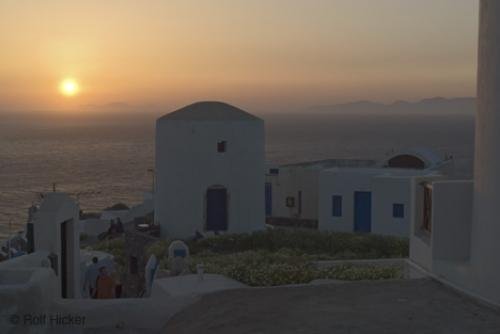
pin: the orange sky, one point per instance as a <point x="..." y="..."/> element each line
<point x="261" y="54"/>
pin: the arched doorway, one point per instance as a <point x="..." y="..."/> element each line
<point x="216" y="209"/>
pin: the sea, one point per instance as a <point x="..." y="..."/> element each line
<point x="103" y="161"/>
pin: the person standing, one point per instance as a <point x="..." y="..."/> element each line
<point x="105" y="285"/>
<point x="91" y="277"/>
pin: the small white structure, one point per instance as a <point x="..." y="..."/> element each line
<point x="352" y="195"/>
<point x="56" y="230"/>
<point x="93" y="226"/>
<point x="178" y="257"/>
<point x="292" y="189"/>
<point x="456" y="226"/>
<point x="376" y="200"/>
<point x="209" y="163"/>
<point x="29" y="283"/>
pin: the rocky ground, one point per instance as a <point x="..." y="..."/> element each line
<point x="403" y="306"/>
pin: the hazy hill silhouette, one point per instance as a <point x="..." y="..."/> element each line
<point x="436" y="105"/>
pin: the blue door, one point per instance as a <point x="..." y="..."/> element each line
<point x="362" y="211"/>
<point x="269" y="199"/>
<point x="217" y="209"/>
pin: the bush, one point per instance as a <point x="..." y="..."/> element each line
<point x="331" y="245"/>
<point x="116" y="247"/>
<point x="264" y="268"/>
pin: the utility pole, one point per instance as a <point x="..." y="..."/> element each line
<point x="153" y="175"/>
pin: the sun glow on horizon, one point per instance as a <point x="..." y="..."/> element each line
<point x="69" y="87"/>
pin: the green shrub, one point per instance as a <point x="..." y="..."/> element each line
<point x="280" y="257"/>
<point x="159" y="249"/>
<point x="264" y="268"/>
<point x="116" y="247"/>
<point x="332" y="244"/>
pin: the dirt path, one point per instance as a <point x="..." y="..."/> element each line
<point x="407" y="306"/>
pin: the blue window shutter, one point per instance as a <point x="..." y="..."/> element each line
<point x="398" y="210"/>
<point x="336" y="206"/>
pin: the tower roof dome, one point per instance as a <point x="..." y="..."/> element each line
<point x="209" y="111"/>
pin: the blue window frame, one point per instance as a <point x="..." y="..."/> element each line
<point x="336" y="206"/>
<point x="398" y="210"/>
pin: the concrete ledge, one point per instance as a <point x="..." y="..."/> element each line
<point x="186" y="285"/>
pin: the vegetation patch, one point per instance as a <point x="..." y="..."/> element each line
<point x="115" y="247"/>
<point x="265" y="268"/>
<point x="279" y="257"/>
<point x="323" y="245"/>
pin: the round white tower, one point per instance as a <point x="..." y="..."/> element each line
<point x="485" y="245"/>
<point x="209" y="171"/>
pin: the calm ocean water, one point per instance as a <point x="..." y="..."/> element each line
<point x="107" y="161"/>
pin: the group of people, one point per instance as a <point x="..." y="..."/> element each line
<point x="114" y="230"/>
<point x="99" y="283"/>
<point x="116" y="227"/>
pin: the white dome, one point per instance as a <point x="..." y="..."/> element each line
<point x="209" y="111"/>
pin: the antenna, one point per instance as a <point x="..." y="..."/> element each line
<point x="9" y="240"/>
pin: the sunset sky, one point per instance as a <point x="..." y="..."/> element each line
<point x="263" y="54"/>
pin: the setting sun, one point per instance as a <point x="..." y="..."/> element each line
<point x="69" y="87"/>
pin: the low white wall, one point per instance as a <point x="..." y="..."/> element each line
<point x="93" y="226"/>
<point x="25" y="288"/>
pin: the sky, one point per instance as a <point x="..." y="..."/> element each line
<point x="266" y="55"/>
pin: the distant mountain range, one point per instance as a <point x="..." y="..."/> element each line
<point x="436" y="105"/>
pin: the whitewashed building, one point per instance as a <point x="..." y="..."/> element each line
<point x="455" y="224"/>
<point x="291" y="190"/>
<point x="52" y="269"/>
<point x="209" y="163"/>
<point x="352" y="195"/>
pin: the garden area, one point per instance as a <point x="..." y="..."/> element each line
<point x="279" y="257"/>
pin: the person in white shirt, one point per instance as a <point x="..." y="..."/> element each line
<point x="91" y="277"/>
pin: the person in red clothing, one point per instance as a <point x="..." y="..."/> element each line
<point x="105" y="285"/>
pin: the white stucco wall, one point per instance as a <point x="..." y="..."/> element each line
<point x="420" y="241"/>
<point x="55" y="209"/>
<point x="386" y="192"/>
<point x="342" y="182"/>
<point x="486" y="224"/>
<point x="288" y="183"/>
<point x="452" y="218"/>
<point x="187" y="164"/>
